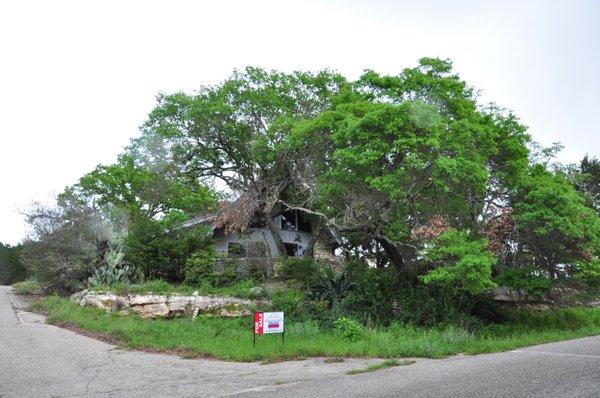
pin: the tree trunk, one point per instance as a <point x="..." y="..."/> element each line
<point x="276" y="237"/>
<point x="310" y="248"/>
<point x="395" y="257"/>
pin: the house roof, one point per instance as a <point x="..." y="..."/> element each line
<point x="209" y="218"/>
<point x="205" y="218"/>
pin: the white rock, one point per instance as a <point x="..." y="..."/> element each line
<point x="140" y="299"/>
<point x="104" y="301"/>
<point x="151" y="310"/>
<point x="180" y="305"/>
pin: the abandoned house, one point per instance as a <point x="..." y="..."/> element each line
<point x="295" y="229"/>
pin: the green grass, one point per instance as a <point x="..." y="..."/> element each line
<point x="28" y="286"/>
<point x="241" y="289"/>
<point x="388" y="363"/>
<point x="231" y="339"/>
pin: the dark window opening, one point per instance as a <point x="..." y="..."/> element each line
<point x="303" y="223"/>
<point x="294" y="250"/>
<point x="288" y="221"/>
<point x="292" y="220"/>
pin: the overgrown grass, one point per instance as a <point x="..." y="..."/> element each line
<point x="242" y="289"/>
<point x="388" y="363"/>
<point x="28" y="286"/>
<point x="231" y="339"/>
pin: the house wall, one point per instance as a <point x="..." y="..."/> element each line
<point x="263" y="235"/>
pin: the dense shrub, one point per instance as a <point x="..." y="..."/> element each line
<point x="67" y="244"/>
<point x="371" y="299"/>
<point x="529" y="279"/>
<point x="29" y="286"/>
<point x="11" y="268"/>
<point x="289" y="301"/>
<point x="160" y="252"/>
<point x="304" y="270"/>
<point x="207" y="267"/>
<point x="460" y="262"/>
<point x="114" y="270"/>
<point x="348" y="329"/>
<point x="432" y="305"/>
<point x="331" y="287"/>
<point x="589" y="272"/>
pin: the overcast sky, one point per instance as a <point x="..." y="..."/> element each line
<point x="77" y="78"/>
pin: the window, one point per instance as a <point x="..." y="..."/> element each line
<point x="292" y="220"/>
<point x="288" y="221"/>
<point x="304" y="223"/>
<point x="294" y="250"/>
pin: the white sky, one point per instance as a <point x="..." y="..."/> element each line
<point x="77" y="78"/>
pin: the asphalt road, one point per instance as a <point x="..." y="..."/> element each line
<point x="40" y="360"/>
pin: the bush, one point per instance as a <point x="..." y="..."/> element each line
<point x="589" y="272"/>
<point x="114" y="270"/>
<point x="68" y="244"/>
<point x="289" y="301"/>
<point x="529" y="279"/>
<point x="432" y="305"/>
<point x="461" y="262"/>
<point x="206" y="267"/>
<point x="304" y="270"/>
<point x="349" y="329"/>
<point x="371" y="299"/>
<point x="331" y="287"/>
<point x="11" y="268"/>
<point x="29" y="286"/>
<point x="161" y="253"/>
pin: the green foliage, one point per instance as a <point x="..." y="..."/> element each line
<point x="556" y="225"/>
<point x="11" y="268"/>
<point x="589" y="272"/>
<point x="529" y="279"/>
<point x="114" y="270"/>
<point x="68" y="244"/>
<point x="149" y="190"/>
<point x="229" y="338"/>
<point x="142" y="189"/>
<point x="348" y="329"/>
<point x="241" y="122"/>
<point x="462" y="263"/>
<point x="432" y="305"/>
<point x="199" y="267"/>
<point x="371" y="299"/>
<point x="244" y="289"/>
<point x="206" y="266"/>
<point x="161" y="252"/>
<point x="395" y="151"/>
<point x="289" y="301"/>
<point x="588" y="181"/>
<point x="304" y="270"/>
<point x="28" y="286"/>
<point x="331" y="287"/>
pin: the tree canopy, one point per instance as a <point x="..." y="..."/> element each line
<point x="409" y="170"/>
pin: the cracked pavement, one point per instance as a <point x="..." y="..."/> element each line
<point x="40" y="360"/>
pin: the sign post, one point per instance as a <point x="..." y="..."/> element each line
<point x="267" y="323"/>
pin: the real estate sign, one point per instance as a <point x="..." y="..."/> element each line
<point x="268" y="322"/>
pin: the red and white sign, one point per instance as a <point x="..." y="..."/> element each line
<point x="268" y="322"/>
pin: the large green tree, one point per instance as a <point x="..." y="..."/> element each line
<point x="556" y="229"/>
<point x="148" y="195"/>
<point x="398" y="151"/>
<point x="235" y="133"/>
<point x="588" y="181"/>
